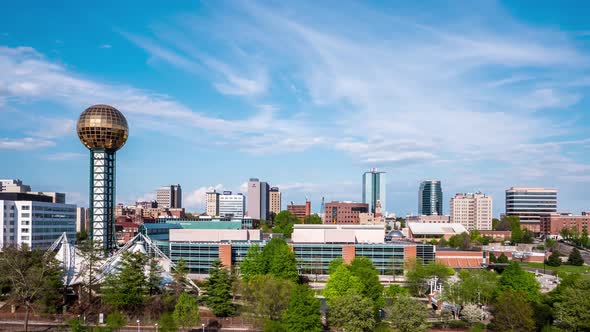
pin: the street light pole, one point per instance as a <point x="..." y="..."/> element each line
<point x="138" y="326"/>
<point x="156" y="327"/>
<point x="203" y="326"/>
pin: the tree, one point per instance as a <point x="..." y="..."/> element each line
<point x="502" y="259"/>
<point x="253" y="263"/>
<point x="92" y="255"/>
<point x="312" y="219"/>
<point x="303" y="313"/>
<point x="186" y="312"/>
<point x="575" y="258"/>
<point x="218" y="288"/>
<point x="513" y="312"/>
<point x="352" y="313"/>
<point x="515" y="278"/>
<point x="471" y="313"/>
<point x="553" y="259"/>
<point x="394" y="291"/>
<point x="284" y="222"/>
<point x="154" y="278"/>
<point x="34" y="278"/>
<point x="341" y="283"/>
<point x="573" y="311"/>
<point x="407" y="315"/>
<point x="267" y="297"/>
<point x="365" y="271"/>
<point x="334" y="264"/>
<point x="127" y="288"/>
<point x="461" y="241"/>
<point x="493" y="258"/>
<point x="179" y="273"/>
<point x="280" y="259"/>
<point x="115" y="321"/>
<point x="475" y="286"/>
<point x="167" y="323"/>
<point x="584" y="239"/>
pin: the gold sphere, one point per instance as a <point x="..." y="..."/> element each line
<point x="102" y="127"/>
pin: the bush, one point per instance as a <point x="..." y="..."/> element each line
<point x="478" y="327"/>
<point x="553" y="259"/>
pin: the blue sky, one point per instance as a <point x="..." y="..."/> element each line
<point x="304" y="95"/>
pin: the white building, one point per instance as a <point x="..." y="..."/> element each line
<point x="474" y="211"/>
<point x="307" y="233"/>
<point x="169" y="196"/>
<point x="432" y="219"/>
<point x="81" y="219"/>
<point x="13" y="186"/>
<point x="34" y="220"/>
<point x="232" y="205"/>
<point x="422" y="231"/>
<point x="212" y="200"/>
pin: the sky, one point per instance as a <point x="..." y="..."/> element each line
<point x="304" y="95"/>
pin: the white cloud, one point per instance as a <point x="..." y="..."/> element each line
<point x="196" y="199"/>
<point x="105" y="46"/>
<point x="60" y="156"/>
<point x="26" y="143"/>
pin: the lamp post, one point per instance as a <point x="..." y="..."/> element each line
<point x="138" y="326"/>
<point x="203" y="326"/>
<point x="156" y="327"/>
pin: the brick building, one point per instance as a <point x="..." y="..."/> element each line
<point x="344" y="212"/>
<point x="300" y="210"/>
<point x="551" y="225"/>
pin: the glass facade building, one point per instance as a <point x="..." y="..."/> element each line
<point x="374" y="190"/>
<point x="530" y="204"/>
<point x="430" y="198"/>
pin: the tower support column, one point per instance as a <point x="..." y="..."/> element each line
<point x="102" y="198"/>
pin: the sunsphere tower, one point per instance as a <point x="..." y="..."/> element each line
<point x="103" y="130"/>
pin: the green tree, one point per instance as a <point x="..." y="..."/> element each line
<point x="303" y="313"/>
<point x="493" y="258"/>
<point x="34" y="279"/>
<point x="334" y="264"/>
<point x="186" y="312"/>
<point x="394" y="291"/>
<point x="280" y="259"/>
<point x="553" y="259"/>
<point x="166" y="323"/>
<point x="154" y="278"/>
<point x="418" y="274"/>
<point x="573" y="309"/>
<point x="92" y="255"/>
<point x="312" y="219"/>
<point x="253" y="264"/>
<point x="515" y="278"/>
<point x="267" y="297"/>
<point x="575" y="258"/>
<point x="218" y="290"/>
<point x="584" y="239"/>
<point x="407" y="315"/>
<point x="284" y="222"/>
<point x="513" y="312"/>
<point x="352" y="313"/>
<point x="115" y="321"/>
<point x="502" y="259"/>
<point x="179" y="273"/>
<point x="342" y="282"/>
<point x="127" y="288"/>
<point x="365" y="271"/>
<point x="476" y="286"/>
<point x="472" y="313"/>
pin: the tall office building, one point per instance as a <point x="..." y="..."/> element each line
<point x="473" y="211"/>
<point x="232" y="205"/>
<point x="530" y="204"/>
<point x="430" y="198"/>
<point x="274" y="200"/>
<point x="374" y="190"/>
<point x="103" y="130"/>
<point x="212" y="201"/>
<point x="257" y="205"/>
<point x="81" y="219"/>
<point x="34" y="220"/>
<point x="169" y="196"/>
<point x="13" y="186"/>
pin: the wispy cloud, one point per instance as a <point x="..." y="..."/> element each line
<point x="60" y="156"/>
<point x="27" y="143"/>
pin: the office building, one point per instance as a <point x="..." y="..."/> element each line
<point x="300" y="211"/>
<point x="34" y="220"/>
<point x="374" y="190"/>
<point x="474" y="211"/>
<point x="13" y="186"/>
<point x="81" y="219"/>
<point x="552" y="224"/>
<point x="427" y="232"/>
<point x="232" y="205"/>
<point x="344" y="212"/>
<point x="103" y="130"/>
<point x="530" y="204"/>
<point x="258" y="197"/>
<point x="433" y="219"/>
<point x="212" y="203"/>
<point x="430" y="198"/>
<point x="169" y="196"/>
<point x="274" y="201"/>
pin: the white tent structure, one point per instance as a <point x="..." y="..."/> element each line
<point x="74" y="266"/>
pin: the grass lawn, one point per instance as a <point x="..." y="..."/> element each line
<point x="585" y="269"/>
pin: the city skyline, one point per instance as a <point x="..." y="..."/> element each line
<point x="503" y="110"/>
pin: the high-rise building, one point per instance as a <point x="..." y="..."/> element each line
<point x="374" y="190"/>
<point x="103" y="130"/>
<point x="274" y="200"/>
<point x="34" y="220"/>
<point x="232" y="205"/>
<point x="169" y="196"/>
<point x="344" y="212"/>
<point x="473" y="211"/>
<point x="257" y="205"/>
<point x="212" y="203"/>
<point x="530" y="204"/>
<point x="81" y="219"/>
<point x="430" y="198"/>
<point x="300" y="211"/>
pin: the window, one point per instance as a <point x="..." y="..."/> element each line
<point x="24" y="230"/>
<point x="25" y="215"/>
<point x="26" y="207"/>
<point x="24" y="238"/>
